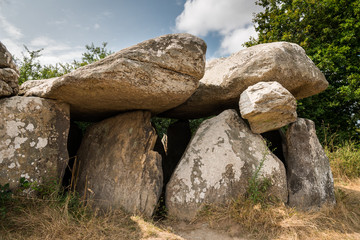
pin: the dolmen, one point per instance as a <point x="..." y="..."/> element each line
<point x="247" y="99"/>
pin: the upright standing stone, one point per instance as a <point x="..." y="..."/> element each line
<point x="310" y="180"/>
<point x="217" y="165"/>
<point x="9" y="74"/>
<point x="33" y="137"/>
<point x="118" y="168"/>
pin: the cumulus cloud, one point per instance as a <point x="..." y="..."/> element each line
<point x="232" y="19"/>
<point x="41" y="41"/>
<point x="50" y="45"/>
<point x="54" y="51"/>
<point x="233" y="42"/>
<point x="60" y="57"/>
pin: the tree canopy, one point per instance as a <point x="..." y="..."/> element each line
<point x="329" y="31"/>
<point x="31" y="68"/>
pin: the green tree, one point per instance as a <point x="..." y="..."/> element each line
<point x="329" y="31"/>
<point x="31" y="68"/>
<point x="92" y="54"/>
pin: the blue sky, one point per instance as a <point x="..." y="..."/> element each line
<point x="63" y="28"/>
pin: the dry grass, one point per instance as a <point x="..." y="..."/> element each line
<point x="277" y="221"/>
<point x="56" y="217"/>
<point x="45" y="219"/>
<point x="38" y="219"/>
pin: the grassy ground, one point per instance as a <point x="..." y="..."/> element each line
<point x="64" y="217"/>
<point x="277" y="221"/>
<point x="41" y="219"/>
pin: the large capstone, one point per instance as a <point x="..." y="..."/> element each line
<point x="267" y="106"/>
<point x="310" y="181"/>
<point x="226" y="78"/>
<point x="155" y="75"/>
<point x="217" y="165"/>
<point x="33" y="137"/>
<point x="118" y="167"/>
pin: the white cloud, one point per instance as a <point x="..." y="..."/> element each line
<point x="229" y="18"/>
<point x="55" y="51"/>
<point x="233" y="41"/>
<point x="62" y="57"/>
<point x="96" y="26"/>
<point x="41" y="41"/>
<point x="11" y="30"/>
<point x="203" y="16"/>
<point x="48" y="44"/>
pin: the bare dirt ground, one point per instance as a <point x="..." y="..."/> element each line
<point x="202" y="231"/>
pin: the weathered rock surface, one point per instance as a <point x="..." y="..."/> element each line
<point x="267" y="106"/>
<point x="216" y="166"/>
<point x="118" y="168"/>
<point x="33" y="136"/>
<point x="155" y="75"/>
<point x="9" y="73"/>
<point x="6" y="60"/>
<point x="226" y="78"/>
<point x="5" y="89"/>
<point x="310" y="180"/>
